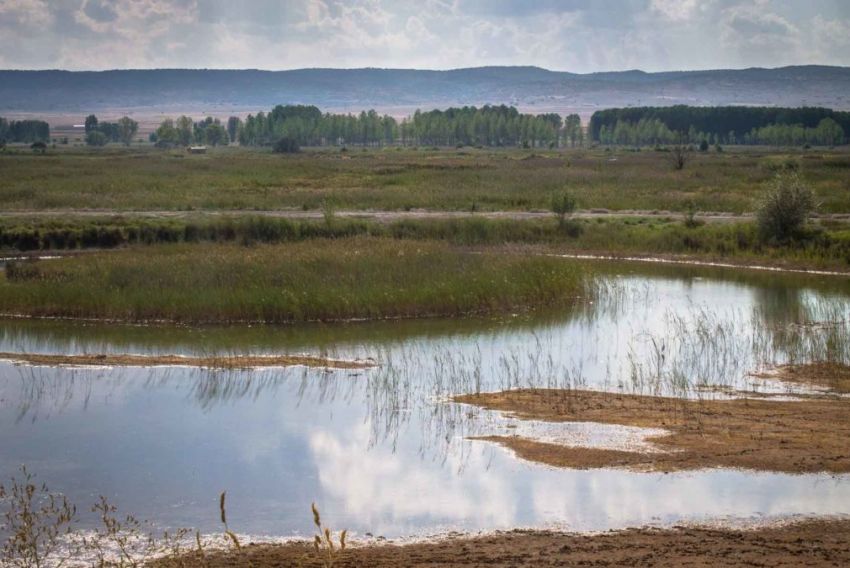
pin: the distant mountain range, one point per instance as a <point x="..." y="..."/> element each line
<point x="399" y="91"/>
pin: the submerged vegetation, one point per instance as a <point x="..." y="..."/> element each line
<point x="315" y="280"/>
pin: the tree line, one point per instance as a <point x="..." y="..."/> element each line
<point x="727" y="125"/>
<point x="646" y="132"/>
<point x="27" y="131"/>
<point x="305" y="125"/>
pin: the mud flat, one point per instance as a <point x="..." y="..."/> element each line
<point x="806" y="435"/>
<point x="830" y="377"/>
<point x="212" y="362"/>
<point x="806" y="543"/>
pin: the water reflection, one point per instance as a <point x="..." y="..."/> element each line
<point x="380" y="449"/>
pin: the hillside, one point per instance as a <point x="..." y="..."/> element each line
<point x="530" y="88"/>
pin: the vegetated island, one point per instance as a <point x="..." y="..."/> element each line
<point x="317" y="280"/>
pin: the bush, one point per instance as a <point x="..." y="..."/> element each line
<point x="286" y="146"/>
<point x="563" y="205"/>
<point x="39" y="147"/>
<point x="96" y="138"/>
<point x="785" y="208"/>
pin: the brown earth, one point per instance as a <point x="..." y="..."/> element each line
<point x="799" y="436"/>
<point x="829" y="376"/>
<point x="808" y="543"/>
<point x="222" y="362"/>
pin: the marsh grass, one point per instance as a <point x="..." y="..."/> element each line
<point x="398" y="179"/>
<point x="319" y="280"/>
<point x="820" y="245"/>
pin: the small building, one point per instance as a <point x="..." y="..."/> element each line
<point x="197" y="149"/>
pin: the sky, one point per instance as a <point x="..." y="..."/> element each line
<point x="567" y="35"/>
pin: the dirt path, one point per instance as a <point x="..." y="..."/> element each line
<point x="211" y="362"/>
<point x="385" y="216"/>
<point x="808" y="543"/>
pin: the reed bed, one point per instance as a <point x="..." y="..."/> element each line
<point x="318" y="280"/>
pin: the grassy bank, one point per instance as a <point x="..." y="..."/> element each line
<point x="313" y="280"/>
<point x="398" y="179"/>
<point x="822" y="246"/>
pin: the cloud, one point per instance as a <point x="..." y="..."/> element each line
<point x="676" y="10"/>
<point x="573" y="35"/>
<point x="25" y="13"/>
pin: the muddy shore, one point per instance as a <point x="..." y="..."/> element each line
<point x="210" y="362"/>
<point x="807" y="543"/>
<point x="805" y="435"/>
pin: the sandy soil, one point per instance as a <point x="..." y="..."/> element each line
<point x="798" y="436"/>
<point x="222" y="362"/>
<point x="809" y="543"/>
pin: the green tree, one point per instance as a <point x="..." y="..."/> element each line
<point x="184" y="128"/>
<point x="215" y="134"/>
<point x="91" y="123"/>
<point x="166" y="134"/>
<point x="233" y="125"/>
<point x="127" y="128"/>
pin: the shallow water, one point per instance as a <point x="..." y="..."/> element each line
<point x="381" y="451"/>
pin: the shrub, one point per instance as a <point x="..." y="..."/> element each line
<point x="785" y="208"/>
<point x="679" y="154"/>
<point x="563" y="205"/>
<point x="96" y="138"/>
<point x="286" y="146"/>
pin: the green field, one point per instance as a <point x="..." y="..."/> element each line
<point x="465" y="179"/>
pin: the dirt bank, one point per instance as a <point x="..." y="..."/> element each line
<point x="809" y="543"/>
<point x="212" y="362"/>
<point x="800" y="436"/>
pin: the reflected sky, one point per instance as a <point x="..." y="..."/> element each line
<point x="379" y="450"/>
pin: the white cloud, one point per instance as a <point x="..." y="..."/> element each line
<point x="573" y="35"/>
<point x="676" y="10"/>
<point x="27" y="13"/>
